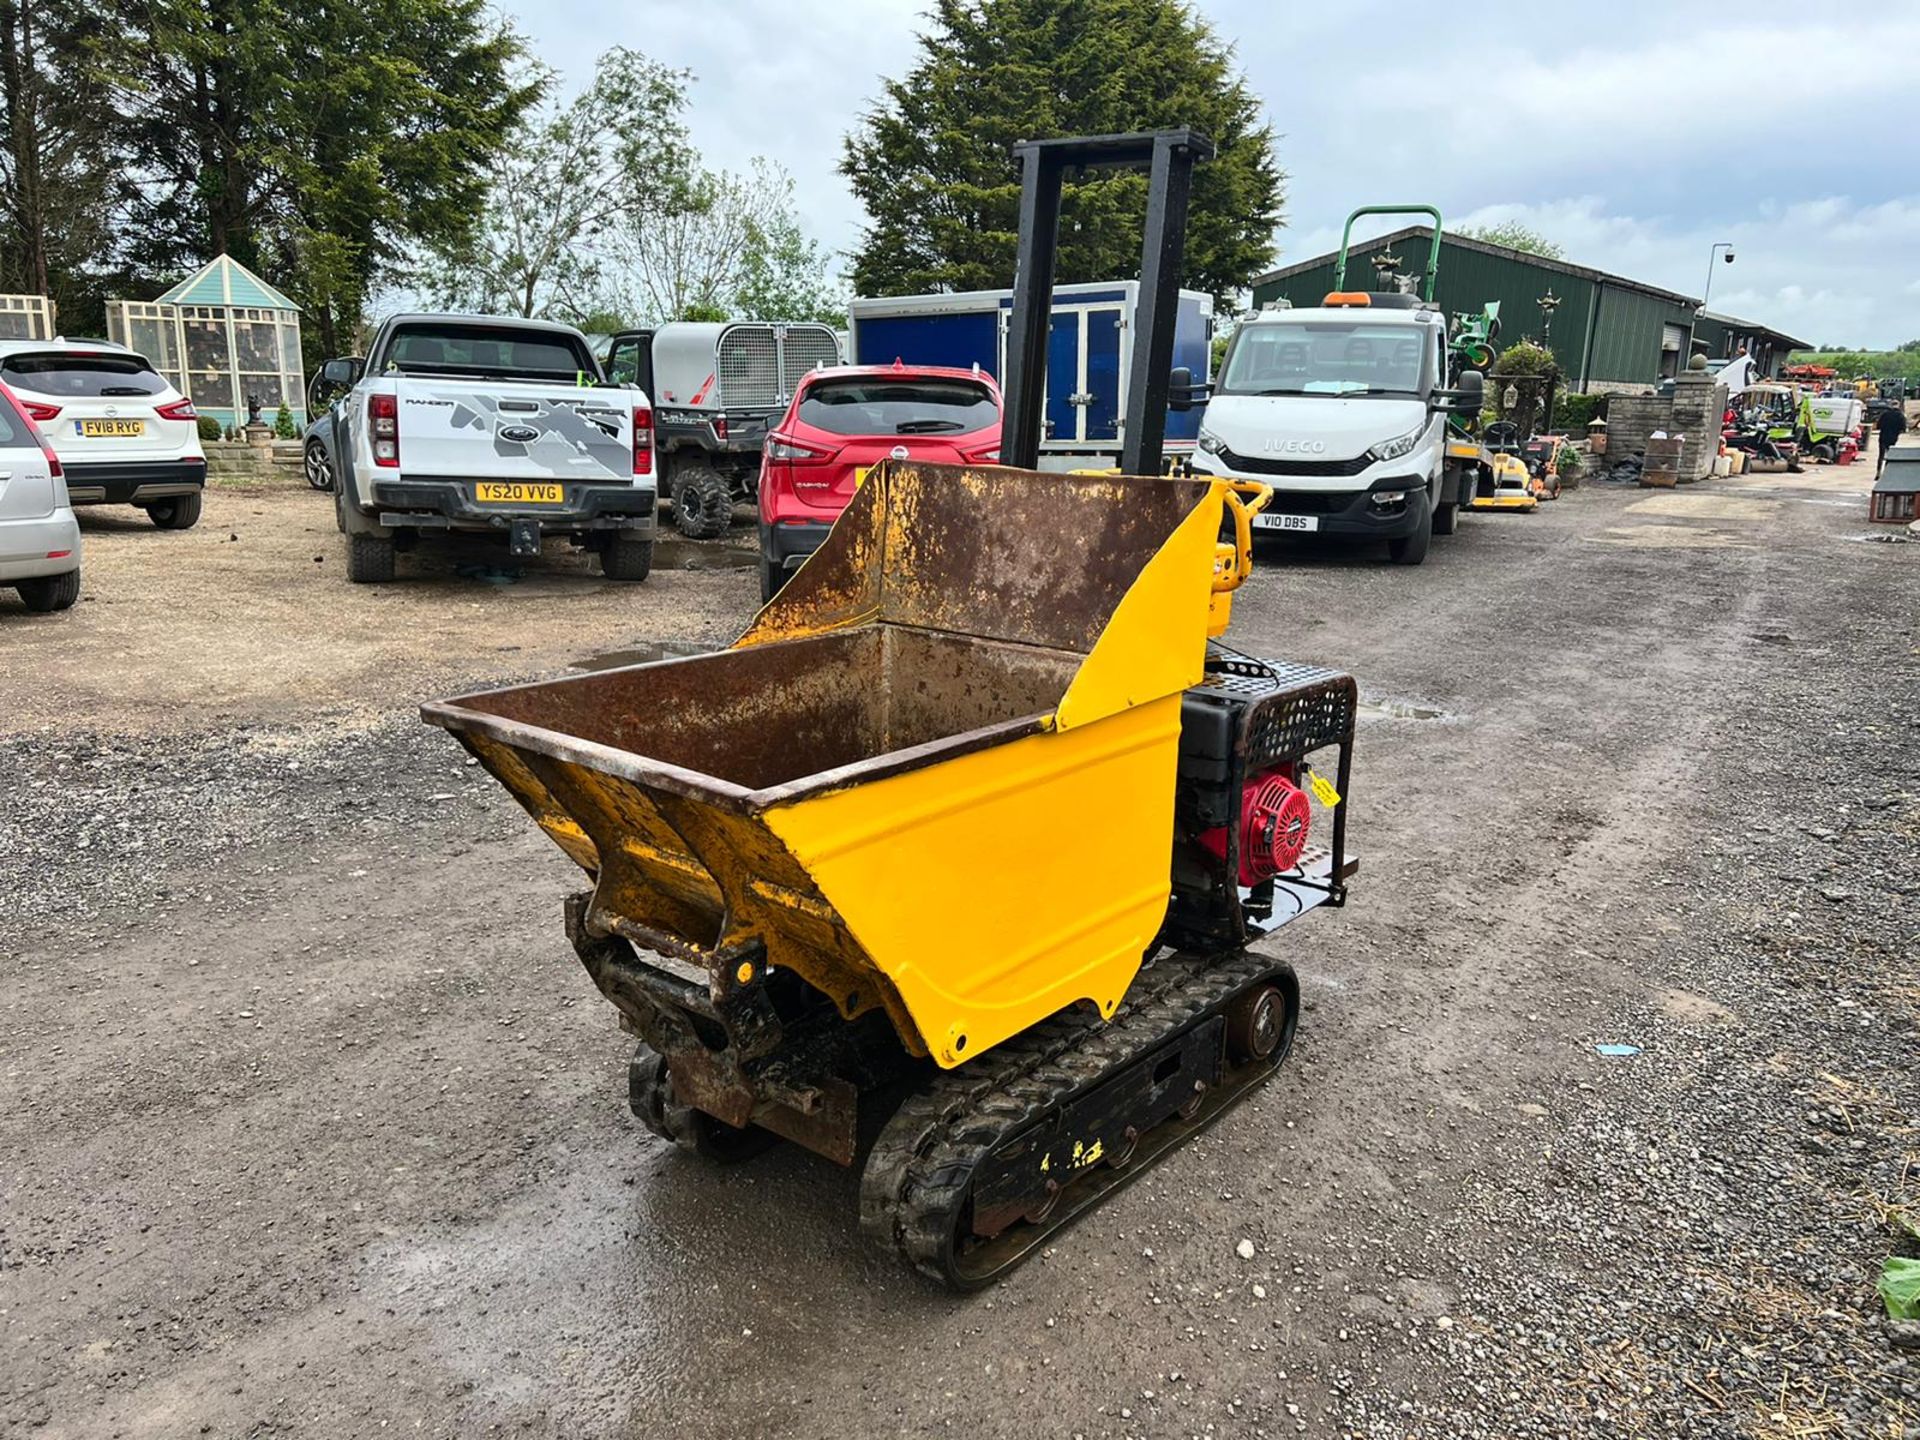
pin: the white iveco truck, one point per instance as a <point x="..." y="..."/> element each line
<point x="1342" y="408"/>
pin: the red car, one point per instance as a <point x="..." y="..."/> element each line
<point x="845" y="421"/>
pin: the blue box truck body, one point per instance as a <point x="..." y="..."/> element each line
<point x="1089" y="355"/>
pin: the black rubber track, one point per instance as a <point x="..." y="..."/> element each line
<point x="919" y="1177"/>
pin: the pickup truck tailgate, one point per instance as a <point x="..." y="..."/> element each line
<point x="455" y="430"/>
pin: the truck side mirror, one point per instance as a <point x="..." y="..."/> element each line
<point x="1472" y="392"/>
<point x="342" y="371"/>
<point x="1182" y="393"/>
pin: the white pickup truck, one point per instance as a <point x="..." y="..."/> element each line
<point x="494" y="426"/>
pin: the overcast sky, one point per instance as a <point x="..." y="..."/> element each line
<point x="1636" y="136"/>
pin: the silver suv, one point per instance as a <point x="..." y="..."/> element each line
<point x="39" y="538"/>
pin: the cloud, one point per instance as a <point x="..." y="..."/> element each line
<point x="1635" y="143"/>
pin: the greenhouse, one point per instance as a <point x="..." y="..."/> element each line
<point x="224" y="337"/>
<point x="25" y="317"/>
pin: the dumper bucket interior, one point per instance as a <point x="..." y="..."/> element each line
<point x="935" y="775"/>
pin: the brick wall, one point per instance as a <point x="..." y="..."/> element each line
<point x="1630" y="420"/>
<point x="1698" y="403"/>
<point x="1693" y="411"/>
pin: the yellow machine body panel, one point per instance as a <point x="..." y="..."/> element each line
<point x="1003" y="886"/>
<point x="935" y="775"/>
<point x="1512" y="486"/>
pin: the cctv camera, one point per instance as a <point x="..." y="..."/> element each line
<point x="1728" y="257"/>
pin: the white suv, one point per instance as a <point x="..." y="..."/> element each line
<point x="125" y="436"/>
<point x="39" y="538"/>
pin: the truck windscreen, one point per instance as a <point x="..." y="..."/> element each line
<point x="502" y="352"/>
<point x="1325" y="358"/>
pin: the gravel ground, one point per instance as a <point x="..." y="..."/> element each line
<point x="248" y="617"/>
<point x="314" y="1127"/>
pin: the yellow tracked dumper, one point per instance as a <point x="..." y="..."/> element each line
<point x="962" y="841"/>
<point x="949" y="865"/>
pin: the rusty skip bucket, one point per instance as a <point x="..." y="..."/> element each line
<point x="935" y="777"/>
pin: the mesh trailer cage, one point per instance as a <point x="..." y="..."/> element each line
<point x="759" y="366"/>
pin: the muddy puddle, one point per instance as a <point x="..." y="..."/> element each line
<point x="643" y="654"/>
<point x="672" y="552"/>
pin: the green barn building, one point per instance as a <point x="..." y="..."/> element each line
<point x="1610" y="334"/>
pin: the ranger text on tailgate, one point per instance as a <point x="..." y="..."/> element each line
<point x="490" y="426"/>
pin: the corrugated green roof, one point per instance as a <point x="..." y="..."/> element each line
<point x="225" y="281"/>
<point x="1469" y="242"/>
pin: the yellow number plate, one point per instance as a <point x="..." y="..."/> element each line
<point x="491" y="492"/>
<point x="113" y="429"/>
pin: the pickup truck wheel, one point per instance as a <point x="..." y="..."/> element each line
<point x="1446" y="519"/>
<point x="1412" y="549"/>
<point x="182" y="512"/>
<point x="702" y="502"/>
<point x="50" y="592"/>
<point x="369" y="559"/>
<point x="624" y="559"/>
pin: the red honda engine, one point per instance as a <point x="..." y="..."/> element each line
<point x="1274" y="816"/>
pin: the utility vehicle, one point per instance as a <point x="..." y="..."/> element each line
<point x="1342" y="409"/>
<point x="719" y="388"/>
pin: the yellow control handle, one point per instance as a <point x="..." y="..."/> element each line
<point x="1236" y="561"/>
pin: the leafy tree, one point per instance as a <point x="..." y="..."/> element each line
<point x="1908" y="346"/>
<point x="58" y="147"/>
<point x="726" y="245"/>
<point x="603" y="209"/>
<point x="259" y="134"/>
<point x="783" y="273"/>
<point x="1526" y="358"/>
<point x="398" y="133"/>
<point x="680" y="260"/>
<point x="1515" y="236"/>
<point x="563" y="183"/>
<point x="931" y="162"/>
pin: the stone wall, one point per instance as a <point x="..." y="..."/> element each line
<point x="1630" y="420"/>
<point x="1698" y="403"/>
<point x="238" y="458"/>
<point x="1693" y="411"/>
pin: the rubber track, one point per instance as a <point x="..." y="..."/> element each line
<point x="920" y="1172"/>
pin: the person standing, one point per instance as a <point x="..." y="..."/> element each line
<point x="1891" y="425"/>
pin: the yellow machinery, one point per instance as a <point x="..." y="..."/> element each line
<point x="1491" y="478"/>
<point x="896" y="859"/>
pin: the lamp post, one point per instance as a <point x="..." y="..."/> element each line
<point x="1715" y="249"/>
<point x="1548" y="303"/>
